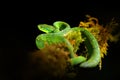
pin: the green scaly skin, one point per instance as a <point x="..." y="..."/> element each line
<point x="93" y="49"/>
<point x="56" y="34"/>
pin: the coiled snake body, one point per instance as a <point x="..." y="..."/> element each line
<point x="56" y="34"/>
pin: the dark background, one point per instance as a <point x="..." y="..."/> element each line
<point x="19" y="29"/>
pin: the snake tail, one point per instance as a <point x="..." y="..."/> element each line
<point x="77" y="60"/>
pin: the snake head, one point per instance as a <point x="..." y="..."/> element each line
<point x="46" y="28"/>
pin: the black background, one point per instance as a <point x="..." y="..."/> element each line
<point x="18" y="31"/>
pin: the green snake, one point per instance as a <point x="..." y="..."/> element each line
<point x="56" y="34"/>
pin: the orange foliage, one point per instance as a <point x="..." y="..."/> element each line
<point x="101" y="33"/>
